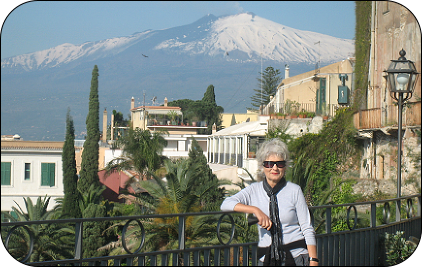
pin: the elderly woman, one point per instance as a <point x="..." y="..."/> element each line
<point x="286" y="235"/>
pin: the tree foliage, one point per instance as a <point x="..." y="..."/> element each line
<point x="51" y="241"/>
<point x="211" y="112"/>
<point x="267" y="87"/>
<point x="141" y="152"/>
<point x="208" y="184"/>
<point x="93" y="237"/>
<point x="70" y="177"/>
<point x="89" y="164"/>
<point x="205" y="109"/>
<point x="318" y="157"/>
<point x="362" y="52"/>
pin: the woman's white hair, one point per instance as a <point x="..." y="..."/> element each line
<point x="270" y="147"/>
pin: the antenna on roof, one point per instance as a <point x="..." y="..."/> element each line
<point x="318" y="65"/>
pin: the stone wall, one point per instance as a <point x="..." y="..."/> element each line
<point x="367" y="187"/>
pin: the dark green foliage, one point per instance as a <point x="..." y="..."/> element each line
<point x="89" y="166"/>
<point x="206" y="181"/>
<point x="362" y="52"/>
<point x="269" y="82"/>
<point x="210" y="111"/>
<point x="141" y="152"/>
<point x="205" y="109"/>
<point x="119" y="119"/>
<point x="93" y="237"/>
<point x="397" y="248"/>
<point x="318" y="157"/>
<point x="70" y="177"/>
<point x="51" y="241"/>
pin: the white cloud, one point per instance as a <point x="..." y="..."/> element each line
<point x="238" y="7"/>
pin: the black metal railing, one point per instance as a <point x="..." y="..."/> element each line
<point x="359" y="244"/>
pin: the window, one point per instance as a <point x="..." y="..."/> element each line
<point x="6" y="173"/>
<point x="48" y="174"/>
<point x="27" y="171"/>
<point x="254" y="144"/>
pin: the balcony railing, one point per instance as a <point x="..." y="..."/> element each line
<point x="378" y="118"/>
<point x="359" y="245"/>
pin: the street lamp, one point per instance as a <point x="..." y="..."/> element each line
<point x="402" y="76"/>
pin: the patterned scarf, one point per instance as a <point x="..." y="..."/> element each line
<point x="276" y="255"/>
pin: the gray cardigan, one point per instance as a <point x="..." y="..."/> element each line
<point x="293" y="210"/>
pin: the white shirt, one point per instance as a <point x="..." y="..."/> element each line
<point x="293" y="210"/>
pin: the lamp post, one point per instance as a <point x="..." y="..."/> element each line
<point x="402" y="76"/>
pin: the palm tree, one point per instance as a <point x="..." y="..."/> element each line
<point x="51" y="241"/>
<point x="92" y="196"/>
<point x="141" y="152"/>
<point x="177" y="193"/>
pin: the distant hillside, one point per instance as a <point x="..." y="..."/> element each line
<point x="176" y="63"/>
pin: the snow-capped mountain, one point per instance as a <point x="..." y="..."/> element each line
<point x="181" y="62"/>
<point x="66" y="53"/>
<point x="253" y="35"/>
<point x="244" y="37"/>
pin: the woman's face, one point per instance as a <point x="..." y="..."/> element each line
<point x="274" y="174"/>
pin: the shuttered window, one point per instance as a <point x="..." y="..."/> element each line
<point x="6" y="173"/>
<point x="27" y="171"/>
<point x="48" y="174"/>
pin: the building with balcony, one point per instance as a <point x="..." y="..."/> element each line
<point x="170" y="119"/>
<point x="320" y="91"/>
<point x="393" y="27"/>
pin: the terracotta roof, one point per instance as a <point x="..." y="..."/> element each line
<point x="32" y="144"/>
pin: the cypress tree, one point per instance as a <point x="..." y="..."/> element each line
<point x="207" y="181"/>
<point x="233" y="122"/>
<point x="93" y="232"/>
<point x="89" y="164"/>
<point x="211" y="112"/>
<point x="70" y="178"/>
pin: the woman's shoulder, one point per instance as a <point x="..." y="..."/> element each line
<point x="292" y="185"/>
<point x="255" y="185"/>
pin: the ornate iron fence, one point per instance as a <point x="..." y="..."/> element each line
<point x="360" y="244"/>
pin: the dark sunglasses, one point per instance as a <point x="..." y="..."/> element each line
<point x="270" y="164"/>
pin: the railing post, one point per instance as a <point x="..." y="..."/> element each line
<point x="180" y="256"/>
<point x="398" y="204"/>
<point x="373" y="215"/>
<point x="182" y="232"/>
<point x="78" y="240"/>
<point x="328" y="220"/>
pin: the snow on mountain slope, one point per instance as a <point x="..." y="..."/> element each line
<point x="66" y="53"/>
<point x="246" y="35"/>
<point x="254" y="35"/>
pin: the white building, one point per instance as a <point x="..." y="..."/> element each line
<point x="30" y="169"/>
<point x="164" y="118"/>
<point x="234" y="148"/>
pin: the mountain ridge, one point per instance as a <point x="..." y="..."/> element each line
<point x="177" y="63"/>
<point x="222" y="29"/>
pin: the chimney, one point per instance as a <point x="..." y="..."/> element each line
<point x="214" y="128"/>
<point x="132" y="103"/>
<point x="165" y="101"/>
<point x="112" y="127"/>
<point x="104" y="139"/>
<point x="286" y="72"/>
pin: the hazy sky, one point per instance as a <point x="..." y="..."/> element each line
<point x="34" y="26"/>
